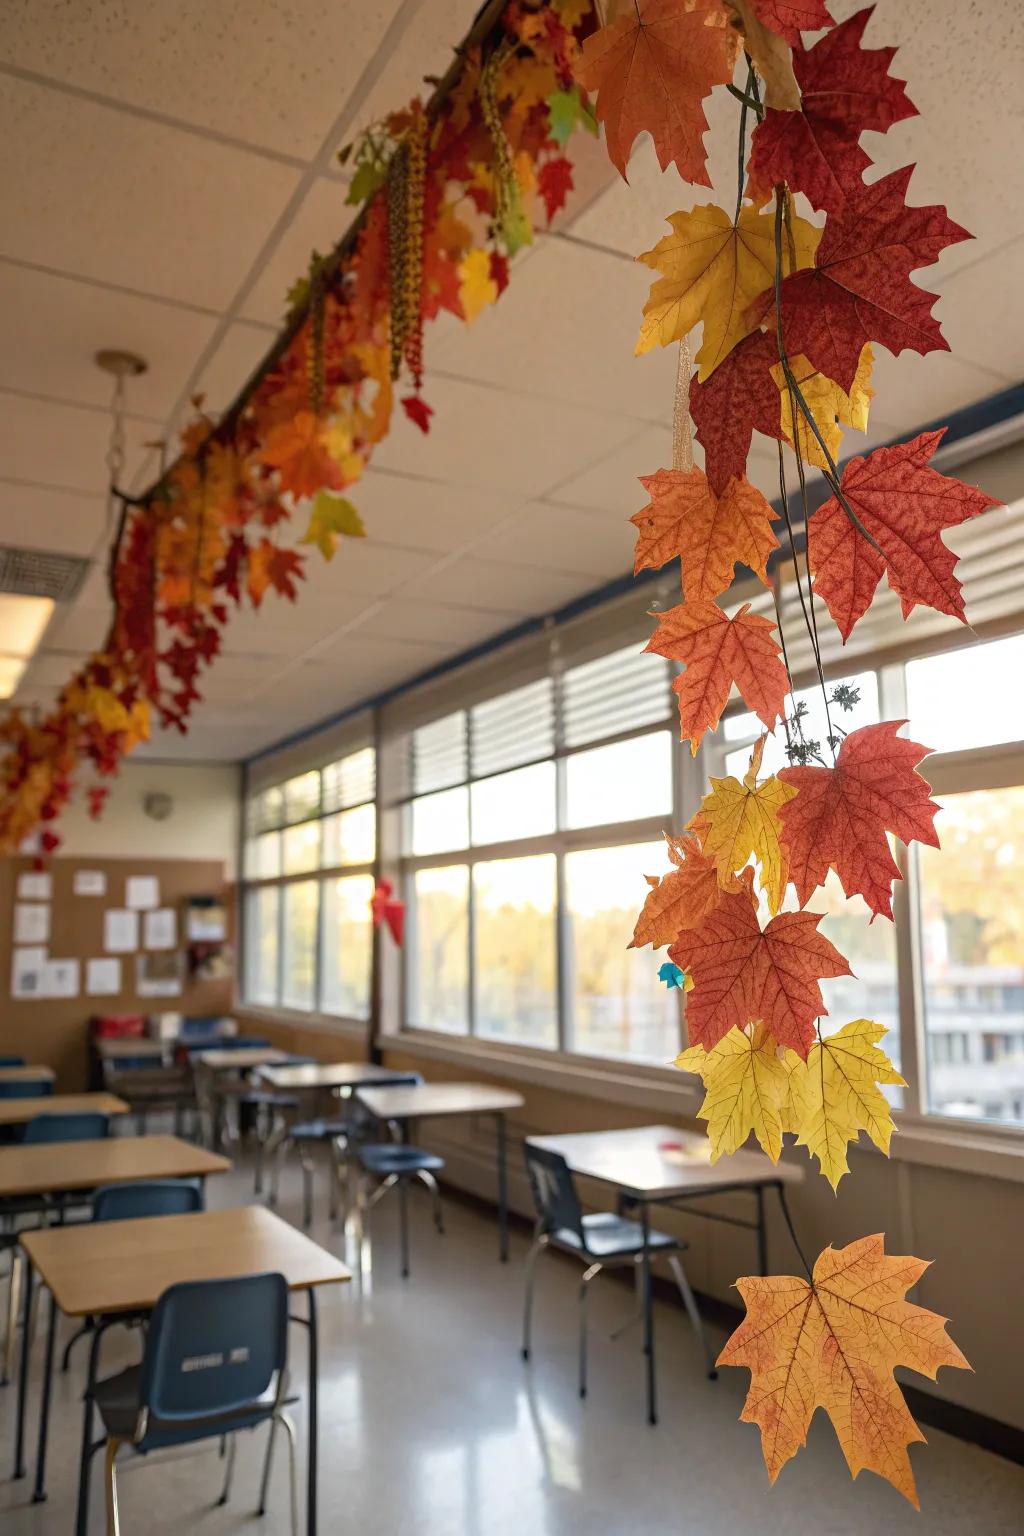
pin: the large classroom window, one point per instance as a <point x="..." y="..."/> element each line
<point x="308" y="882"/>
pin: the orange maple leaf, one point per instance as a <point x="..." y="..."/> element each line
<point x="839" y="816"/>
<point x="296" y="450"/>
<point x="678" y="899"/>
<point x="719" y="652"/>
<point x="833" y="1342"/>
<point x="742" y="972"/>
<point x="711" y="534"/>
<point x="651" y="70"/>
<point x="270" y="566"/>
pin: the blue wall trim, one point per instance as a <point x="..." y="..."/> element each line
<point x="965" y="423"/>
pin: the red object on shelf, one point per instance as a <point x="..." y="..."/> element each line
<point x="387" y="908"/>
<point x="119" y="1026"/>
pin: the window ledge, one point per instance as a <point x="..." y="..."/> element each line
<point x="327" y="1023"/>
<point x="961" y="1147"/>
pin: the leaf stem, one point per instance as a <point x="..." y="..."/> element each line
<point x="792" y="1232"/>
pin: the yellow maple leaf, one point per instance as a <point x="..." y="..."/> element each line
<point x="712" y="270"/>
<point x="835" y="1095"/>
<point x="746" y="1085"/>
<point x="331" y="518"/>
<point x="737" y="820"/>
<point x="833" y="1342"/>
<point x="106" y="709"/>
<point x="477" y="288"/>
<point x="831" y="407"/>
<point x="572" y="12"/>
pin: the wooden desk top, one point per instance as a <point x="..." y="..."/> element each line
<point x="659" y="1161"/>
<point x="124" y="1266"/>
<point x="55" y="1167"/>
<point x="137" y="1046"/>
<point x="417" y="1101"/>
<point x="27" y="1074"/>
<point x="338" y="1074"/>
<point x="17" y="1111"/>
<point x="242" y="1060"/>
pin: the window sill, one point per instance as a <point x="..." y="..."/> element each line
<point x="977" y="1150"/>
<point x="325" y="1023"/>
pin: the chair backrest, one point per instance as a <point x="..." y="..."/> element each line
<point x="146" y="1197"/>
<point x="553" y="1190"/>
<point x="12" y="1061"/>
<point x="27" y="1088"/>
<point x="214" y="1346"/>
<point x="87" y="1126"/>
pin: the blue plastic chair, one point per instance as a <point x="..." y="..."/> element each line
<point x="86" y="1126"/>
<point x="132" y="1202"/>
<point x="600" y="1239"/>
<point x="28" y="1088"/>
<point x="12" y="1061"/>
<point x="215" y="1362"/>
<point x="397" y="1165"/>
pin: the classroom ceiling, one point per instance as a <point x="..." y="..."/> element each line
<point x="168" y="168"/>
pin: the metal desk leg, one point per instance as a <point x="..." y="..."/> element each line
<point x="502" y="1188"/>
<point x="85" y="1465"/>
<point x="762" y="1234"/>
<point x="311" y="1460"/>
<point x="652" y="1402"/>
<point x="26" y="1331"/>
<point x="39" y="1492"/>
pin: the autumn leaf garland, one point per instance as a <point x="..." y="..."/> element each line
<point x="791" y="315"/>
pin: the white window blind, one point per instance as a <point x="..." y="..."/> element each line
<point x="350" y="781"/>
<point x="513" y="729"/>
<point x="624" y="691"/>
<point x="440" y="754"/>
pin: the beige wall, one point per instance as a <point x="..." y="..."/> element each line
<point x="203" y="823"/>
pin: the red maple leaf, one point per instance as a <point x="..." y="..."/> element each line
<point x="554" y="183"/>
<point x="859" y="289"/>
<point x="295" y="449"/>
<point x="652" y="69"/>
<point x="718" y="654"/>
<point x="738" y="398"/>
<point x="905" y="506"/>
<point x="418" y="411"/>
<point x="742" y="972"/>
<point x="839" y="816"/>
<point x="711" y="534"/>
<point x="845" y="89"/>
<point x="229" y="572"/>
<point x="271" y="566"/>
<point x="791" y="17"/>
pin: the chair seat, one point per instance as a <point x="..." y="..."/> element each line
<point x="318" y="1130"/>
<point x="607" y="1236"/>
<point x="117" y="1400"/>
<point x="271" y="1097"/>
<point x="387" y="1158"/>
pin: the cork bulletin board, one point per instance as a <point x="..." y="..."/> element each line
<point x="53" y="1031"/>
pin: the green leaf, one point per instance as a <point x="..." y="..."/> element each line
<point x="332" y="517"/>
<point x="369" y="177"/>
<point x="563" y="115"/>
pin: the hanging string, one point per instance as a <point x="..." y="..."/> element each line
<point x="115" y="451"/>
<point x="682" y="422"/>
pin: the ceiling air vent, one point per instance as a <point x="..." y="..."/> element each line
<point x="37" y="573"/>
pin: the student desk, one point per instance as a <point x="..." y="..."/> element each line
<point x="212" y="1066"/>
<point x="134" y="1048"/>
<point x="430" y="1101"/>
<point x="125" y="1266"/>
<point x="245" y="1059"/>
<point x="308" y="1076"/>
<point x="27" y="1074"/>
<point x="62" y="1168"/>
<point x="18" y="1111"/>
<point x="660" y="1165"/>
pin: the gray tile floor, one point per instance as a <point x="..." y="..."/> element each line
<point x="432" y="1426"/>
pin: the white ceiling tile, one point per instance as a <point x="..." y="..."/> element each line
<point x="520" y="590"/>
<point x="398" y="509"/>
<point x="52" y="327"/>
<point x="914" y="390"/>
<point x="434" y="30"/>
<point x="63" y="445"/>
<point x="361" y="567"/>
<point x="590" y="544"/>
<point x="611" y="482"/>
<point x="237" y="356"/>
<point x="446" y="626"/>
<point x="275" y="77"/>
<point x="129" y="201"/>
<point x="318" y="225"/>
<point x="78" y="628"/>
<point x="485" y="437"/>
<point x="33" y="517"/>
<point x="981" y="310"/>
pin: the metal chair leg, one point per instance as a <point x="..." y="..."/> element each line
<point x="258" y="1136"/>
<point x="110" y="1483"/>
<point x="689" y="1302"/>
<point x="79" y="1333"/>
<point x="307" y="1192"/>
<point x="14" y="1286"/>
<point x="229" y="1469"/>
<point x="584" y="1292"/>
<point x="427" y="1178"/>
<point x="636" y="1316"/>
<point x="540" y="1241"/>
<point x="268" y="1458"/>
<point x="293" y="1468"/>
<point x="403" y="1225"/>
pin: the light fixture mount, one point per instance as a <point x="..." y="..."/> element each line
<point x="123" y="365"/>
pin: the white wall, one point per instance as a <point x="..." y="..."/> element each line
<point x="203" y="823"/>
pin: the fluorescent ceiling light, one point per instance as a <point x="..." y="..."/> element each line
<point x="22" y="622"/>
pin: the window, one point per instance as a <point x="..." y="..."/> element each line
<point x="972" y="942"/>
<point x="518" y="914"/>
<point x="309" y="851"/>
<point x="967" y="699"/>
<point x="747" y="728"/>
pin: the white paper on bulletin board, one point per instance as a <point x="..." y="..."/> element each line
<point x="35" y="886"/>
<point x="90" y="882"/>
<point x="159" y="975"/>
<point x="142" y="892"/>
<point x="120" y="931"/>
<point x="103" y="977"/>
<point x="160" y="928"/>
<point x="60" y="978"/>
<point x="27" y="971"/>
<point x="31" y="924"/>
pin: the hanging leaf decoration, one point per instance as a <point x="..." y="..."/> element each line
<point x="710" y="534"/>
